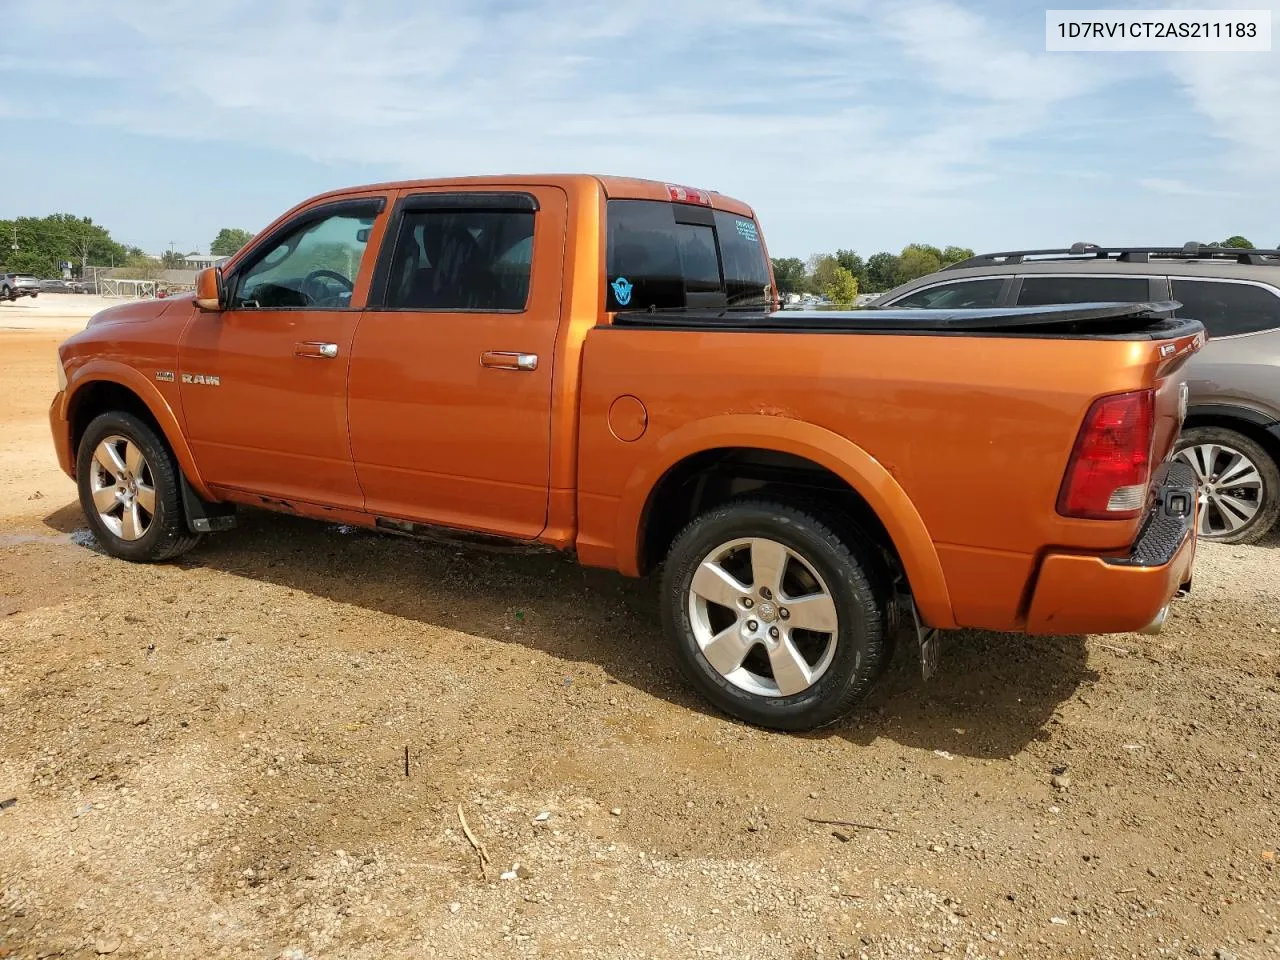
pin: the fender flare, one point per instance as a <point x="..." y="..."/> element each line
<point x="112" y="371"/>
<point x="1232" y="411"/>
<point x="841" y="456"/>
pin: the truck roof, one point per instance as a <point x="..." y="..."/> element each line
<point x="617" y="188"/>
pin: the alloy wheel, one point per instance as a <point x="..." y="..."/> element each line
<point x="123" y="488"/>
<point x="763" y="617"/>
<point x="1230" y="487"/>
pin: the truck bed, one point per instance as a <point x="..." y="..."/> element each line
<point x="967" y="417"/>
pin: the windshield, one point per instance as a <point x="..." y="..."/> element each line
<point x="673" y="256"/>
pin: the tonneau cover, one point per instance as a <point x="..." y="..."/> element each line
<point x="1151" y="319"/>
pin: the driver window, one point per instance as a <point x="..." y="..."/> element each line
<point x="316" y="266"/>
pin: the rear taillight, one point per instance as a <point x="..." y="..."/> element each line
<point x="1110" y="467"/>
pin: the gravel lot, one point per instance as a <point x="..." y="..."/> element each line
<point x="208" y="760"/>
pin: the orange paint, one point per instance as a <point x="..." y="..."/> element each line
<point x="958" y="444"/>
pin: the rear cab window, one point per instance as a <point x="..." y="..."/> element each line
<point x="665" y="255"/>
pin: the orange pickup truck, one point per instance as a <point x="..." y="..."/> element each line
<point x="599" y="365"/>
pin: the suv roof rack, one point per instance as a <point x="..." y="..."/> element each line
<point x="1092" y="251"/>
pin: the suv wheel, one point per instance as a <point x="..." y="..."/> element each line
<point x="771" y="615"/>
<point x="129" y="490"/>
<point x="1239" y="483"/>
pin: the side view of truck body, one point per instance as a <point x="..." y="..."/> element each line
<point x="598" y="365"/>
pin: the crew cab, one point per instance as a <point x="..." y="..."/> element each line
<point x="598" y="365"/>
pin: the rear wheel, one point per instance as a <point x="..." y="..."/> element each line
<point x="772" y="616"/>
<point x="129" y="490"/>
<point x="1239" y="483"/>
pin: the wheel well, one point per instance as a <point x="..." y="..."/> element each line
<point x="1254" y="431"/>
<point x="99" y="397"/>
<point x="708" y="479"/>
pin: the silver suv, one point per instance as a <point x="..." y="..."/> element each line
<point x="1231" y="437"/>
<point x="15" y="285"/>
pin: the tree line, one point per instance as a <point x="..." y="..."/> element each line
<point x="40" y="245"/>
<point x="842" y="275"/>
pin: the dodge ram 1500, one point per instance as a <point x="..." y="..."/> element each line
<point x="599" y="365"/>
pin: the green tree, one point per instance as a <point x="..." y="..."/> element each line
<point x="1238" y="242"/>
<point x="882" y="269"/>
<point x="172" y="260"/>
<point x="952" y="255"/>
<point x="822" y="272"/>
<point x="850" y="260"/>
<point x="789" y="274"/>
<point x="38" y="245"/>
<point x="842" y="286"/>
<point x="917" y="260"/>
<point x="228" y="241"/>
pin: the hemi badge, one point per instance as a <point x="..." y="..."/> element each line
<point x="165" y="375"/>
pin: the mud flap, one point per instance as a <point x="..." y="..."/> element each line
<point x="203" y="516"/>
<point x="927" y="640"/>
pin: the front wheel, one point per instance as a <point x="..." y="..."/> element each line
<point x="772" y="616"/>
<point x="129" y="490"/>
<point x="1239" y="483"/>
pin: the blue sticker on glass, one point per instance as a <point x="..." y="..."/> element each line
<point x="747" y="230"/>
<point x="622" y="290"/>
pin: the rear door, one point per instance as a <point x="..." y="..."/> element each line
<point x="449" y="399"/>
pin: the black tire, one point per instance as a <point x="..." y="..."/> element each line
<point x="167" y="535"/>
<point x="859" y="639"/>
<point x="1269" y="496"/>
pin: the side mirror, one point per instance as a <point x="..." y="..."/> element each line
<point x="210" y="294"/>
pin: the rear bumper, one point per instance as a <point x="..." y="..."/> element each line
<point x="1090" y="594"/>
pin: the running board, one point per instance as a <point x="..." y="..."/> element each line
<point x="451" y="536"/>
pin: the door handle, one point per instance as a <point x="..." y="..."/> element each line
<point x="506" y="360"/>
<point x="323" y="351"/>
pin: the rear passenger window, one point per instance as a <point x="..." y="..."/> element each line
<point x="671" y="256"/>
<point x="956" y="296"/>
<point x="1041" y="291"/>
<point x="459" y="259"/>
<point x="1227" y="309"/>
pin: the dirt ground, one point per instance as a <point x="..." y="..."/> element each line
<point x="208" y="760"/>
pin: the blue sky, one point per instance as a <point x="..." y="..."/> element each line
<point x="844" y="123"/>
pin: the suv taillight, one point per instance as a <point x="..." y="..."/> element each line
<point x="1110" y="467"/>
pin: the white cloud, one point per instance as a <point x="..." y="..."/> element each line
<point x="822" y="113"/>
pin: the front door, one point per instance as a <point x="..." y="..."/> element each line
<point x="451" y="370"/>
<point x="264" y="382"/>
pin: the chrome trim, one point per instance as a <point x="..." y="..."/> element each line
<point x="509" y="360"/>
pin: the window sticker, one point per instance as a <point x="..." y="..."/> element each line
<point x="747" y="230"/>
<point x="622" y="290"/>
